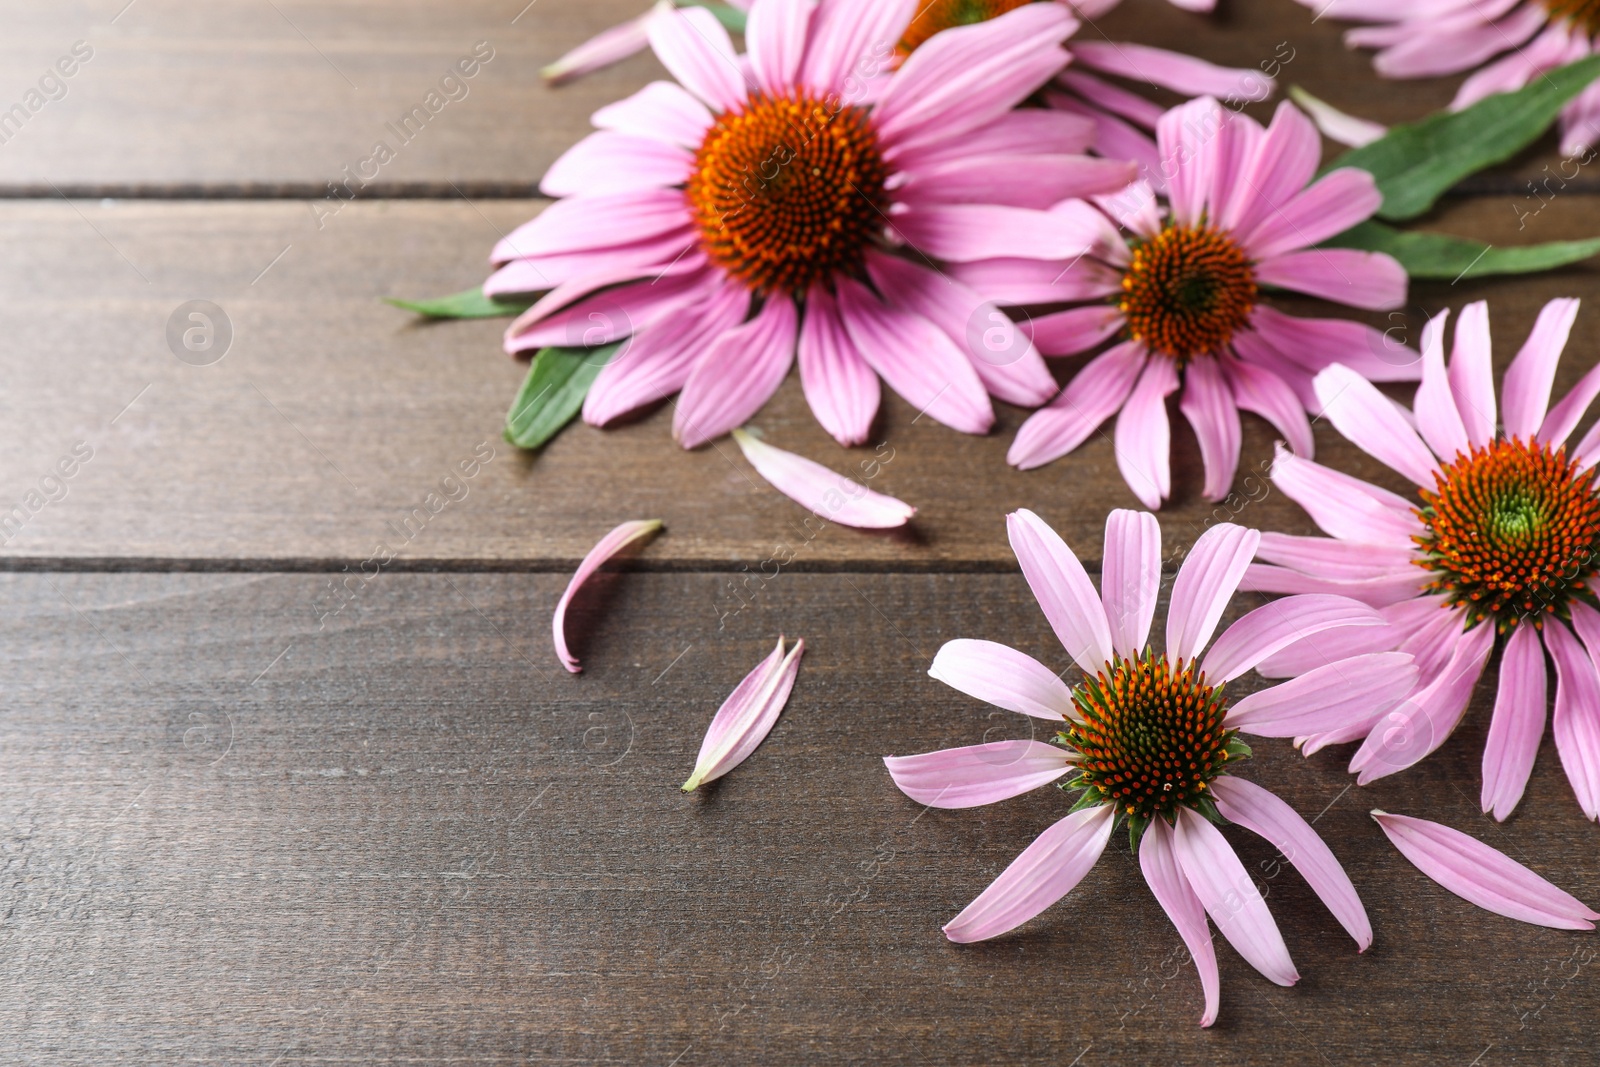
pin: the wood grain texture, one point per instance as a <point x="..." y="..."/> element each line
<point x="234" y="837"/>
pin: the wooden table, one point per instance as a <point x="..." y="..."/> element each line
<point x="251" y="820"/>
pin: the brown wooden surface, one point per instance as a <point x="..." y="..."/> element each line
<point x="249" y="820"/>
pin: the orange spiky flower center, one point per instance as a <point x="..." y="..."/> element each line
<point x="1584" y="15"/>
<point x="789" y="191"/>
<point x="1513" y="531"/>
<point x="1187" y="291"/>
<point x="935" y="15"/>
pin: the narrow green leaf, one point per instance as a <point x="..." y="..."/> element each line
<point x="1438" y="255"/>
<point x="1414" y="164"/>
<point x="553" y="392"/>
<point x="469" y="304"/>
<point x="727" y="14"/>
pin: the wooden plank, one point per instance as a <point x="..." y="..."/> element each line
<point x="332" y="416"/>
<point x="192" y="97"/>
<point x="409" y="837"/>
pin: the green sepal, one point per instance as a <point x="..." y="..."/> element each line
<point x="730" y="17"/>
<point x="1415" y="163"/>
<point x="1206" y="808"/>
<point x="1440" y="256"/>
<point x="467" y="304"/>
<point x="1137" y="825"/>
<point x="552" y="394"/>
<point x="1237" y="749"/>
<point x="1089" y="798"/>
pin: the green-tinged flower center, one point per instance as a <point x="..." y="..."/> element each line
<point x="1187" y="291"/>
<point x="935" y="15"/>
<point x="1581" y="14"/>
<point x="1151" y="739"/>
<point x="1513" y="531"/>
<point x="788" y="191"/>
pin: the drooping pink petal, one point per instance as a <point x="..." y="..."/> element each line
<point x="978" y="774"/>
<point x="1262" y="392"/>
<point x="1046" y="871"/>
<point x="1158" y="860"/>
<point x="594" y="310"/>
<point x="1424" y="721"/>
<point x="1208" y="405"/>
<point x="1231" y="898"/>
<point x="1277" y="625"/>
<point x="1525" y="393"/>
<point x="737" y="375"/>
<point x="609" y="545"/>
<point x="1576" y="723"/>
<point x="662" y="110"/>
<point x="1143" y="436"/>
<point x="851" y="43"/>
<point x="841" y="389"/>
<point x="1564" y="417"/>
<point x="1472" y="374"/>
<point x="1438" y="419"/>
<point x="692" y="44"/>
<point x="775" y="40"/>
<point x="1062" y="588"/>
<point x="1518" y="724"/>
<point x="1332" y="205"/>
<point x="1000" y="675"/>
<point x="1371" y="422"/>
<point x="1170" y="70"/>
<point x="831" y="496"/>
<point x="1336" y="125"/>
<point x="1349" y="693"/>
<point x="1205" y="583"/>
<point x="1343" y="506"/>
<point x="603" y="49"/>
<point x="1081" y="408"/>
<point x="610" y="162"/>
<point x="1264" y="813"/>
<point x="747" y="716"/>
<point x="1130" y="578"/>
<point x="1371" y="280"/>
<point x="1484" y="876"/>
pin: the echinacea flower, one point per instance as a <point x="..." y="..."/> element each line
<point x="1424" y="40"/>
<point x="1501" y="545"/>
<point x="624" y="535"/>
<point x="1152" y="738"/>
<point x="747" y="716"/>
<point x="1484" y="876"/>
<point x="725" y="223"/>
<point x="1182" y="297"/>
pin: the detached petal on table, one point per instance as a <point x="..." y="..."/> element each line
<point x="825" y="493"/>
<point x="747" y="716"/>
<point x="609" y="546"/>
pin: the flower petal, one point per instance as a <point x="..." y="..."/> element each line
<point x="747" y="716"/>
<point x="1158" y="860"/>
<point x="1332" y="205"/>
<point x="775" y="41"/>
<point x="978" y="774"/>
<point x="603" y="49"/>
<point x="1130" y="578"/>
<point x="1263" y="392"/>
<point x="1336" y="125"/>
<point x="663" y="110"/>
<point x="1282" y="162"/>
<point x="611" y="162"/>
<point x="1438" y="418"/>
<point x="1231" y="898"/>
<point x="1518" y="723"/>
<point x="1208" y="405"/>
<point x="1143" y="437"/>
<point x="966" y="233"/>
<point x="692" y="44"/>
<point x="1372" y="422"/>
<point x="851" y="42"/>
<point x="1205" y="583"/>
<point x="1472" y="375"/>
<point x="1403" y="736"/>
<point x="1275" y="626"/>
<point x="1576" y="723"/>
<point x="609" y="545"/>
<point x="1046" y="871"/>
<point x="1525" y="392"/>
<point x="1066" y="333"/>
<point x="831" y="496"/>
<point x="1062" y="588"/>
<point x="1371" y="280"/>
<point x="1564" y="417"/>
<point x="1170" y="70"/>
<point x="1000" y="675"/>
<point x="1091" y="398"/>
<point x="737" y="375"/>
<point x="1482" y="875"/>
<point x="1264" y="813"/>
<point x="1344" y="694"/>
<point x="842" y="390"/>
<point x="1343" y="506"/>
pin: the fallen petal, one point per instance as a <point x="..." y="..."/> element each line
<point x="609" y="546"/>
<point x="827" y="494"/>
<point x="747" y="716"/>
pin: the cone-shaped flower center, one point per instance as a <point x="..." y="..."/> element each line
<point x="935" y="15"/>
<point x="1513" y="531"/>
<point x="1187" y="291"/>
<point x="1151" y="737"/>
<point x="788" y="191"/>
<point x="1584" y="15"/>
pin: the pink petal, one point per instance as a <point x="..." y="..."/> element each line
<point x="605" y="48"/>
<point x="1281" y="164"/>
<point x="1335" y="125"/>
<point x="595" y="310"/>
<point x="964" y="233"/>
<point x="1484" y="876"/>
<point x="1343" y="506"/>
<point x="1066" y="333"/>
<point x="1208" y="405"/>
<point x="1158" y="860"/>
<point x="1231" y="898"/>
<point x="1564" y="417"/>
<point x="1576" y="722"/>
<point x="610" y="162"/>
<point x="1332" y="205"/>
<point x="1017" y="133"/>
<point x="662" y="110"/>
<point x="1525" y="392"/>
<point x="917" y="359"/>
<point x="1046" y="871"/>
<point x="1314" y="344"/>
<point x="979" y="774"/>
<point x="1170" y="70"/>
<point x="1088" y="401"/>
<point x="1103" y="96"/>
<point x="1351" y="693"/>
<point x="1062" y="588"/>
<point x="1262" y="392"/>
<point x="1404" y="736"/>
<point x="1029" y="180"/>
<point x="775" y="39"/>
<point x="842" y="390"/>
<point x="1190" y="139"/>
<point x="1037" y="281"/>
<point x="1438" y="420"/>
<point x="579" y="223"/>
<point x="1331" y="558"/>
<point x="830" y="496"/>
<point x="1302" y="657"/>
<point x="1000" y="675"/>
<point x="1205" y="583"/>
<point x="643" y="259"/>
<point x="850" y="43"/>
<point x="1275" y="626"/>
<point x="609" y="545"/>
<point x="1515" y="70"/>
<point x="1472" y="374"/>
<point x="1370" y="280"/>
<point x="1371" y="422"/>
<point x="1263" y="813"/>
<point x="1144" y="436"/>
<point x="1427" y="55"/>
<point x="1518" y="724"/>
<point x="737" y="375"/>
<point x="1130" y="578"/>
<point x="747" y="716"/>
<point x="1134" y="208"/>
<point x="1379" y="592"/>
<point x="692" y="44"/>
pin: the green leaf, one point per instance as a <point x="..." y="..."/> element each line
<point x="1414" y="164"/>
<point x="1440" y="256"/>
<point x="553" y="392"/>
<point x="727" y="14"/>
<point x="469" y="304"/>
